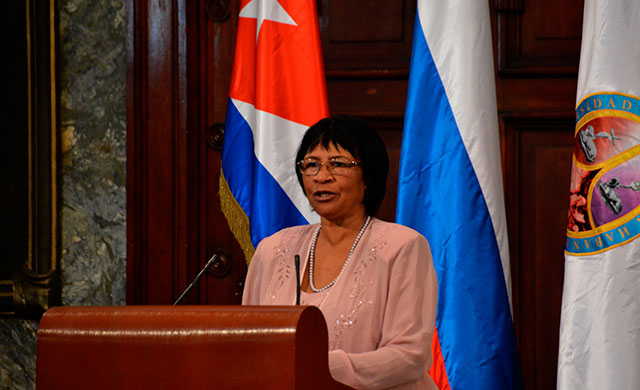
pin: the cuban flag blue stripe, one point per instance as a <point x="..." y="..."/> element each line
<point x="440" y="196"/>
<point x="264" y="202"/>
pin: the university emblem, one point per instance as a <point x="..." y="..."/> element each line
<point x="604" y="206"/>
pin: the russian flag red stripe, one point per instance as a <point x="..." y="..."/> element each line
<point x="438" y="371"/>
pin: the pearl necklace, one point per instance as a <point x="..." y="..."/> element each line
<point x="312" y="255"/>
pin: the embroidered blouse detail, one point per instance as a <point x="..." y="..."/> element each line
<point x="359" y="295"/>
<point x="284" y="272"/>
<point x="380" y="313"/>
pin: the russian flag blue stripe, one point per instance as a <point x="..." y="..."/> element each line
<point x="440" y="196"/>
<point x="267" y="206"/>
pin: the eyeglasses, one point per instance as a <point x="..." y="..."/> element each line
<point x="336" y="166"/>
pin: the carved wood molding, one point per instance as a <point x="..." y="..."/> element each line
<point x="537" y="168"/>
<point x="508" y="5"/>
<point x="537" y="39"/>
<point x="158" y="154"/>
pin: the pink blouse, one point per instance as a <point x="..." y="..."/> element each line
<point x="380" y="313"/>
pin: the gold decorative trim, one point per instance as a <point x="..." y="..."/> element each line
<point x="236" y="218"/>
<point x="54" y="134"/>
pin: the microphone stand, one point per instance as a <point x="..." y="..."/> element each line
<point x="196" y="279"/>
<point x="296" y="260"/>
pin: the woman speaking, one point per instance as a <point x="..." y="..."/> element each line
<point x="373" y="280"/>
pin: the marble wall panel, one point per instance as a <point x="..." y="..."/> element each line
<point x="92" y="137"/>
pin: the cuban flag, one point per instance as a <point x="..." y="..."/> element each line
<point x="450" y="190"/>
<point x="277" y="91"/>
<point x="600" y="322"/>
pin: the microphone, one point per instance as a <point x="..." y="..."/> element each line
<point x="296" y="259"/>
<point x="196" y="279"/>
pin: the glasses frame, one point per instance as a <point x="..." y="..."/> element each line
<point x="351" y="164"/>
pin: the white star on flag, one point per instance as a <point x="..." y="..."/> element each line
<point x="262" y="10"/>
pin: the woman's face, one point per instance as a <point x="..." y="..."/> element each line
<point x="334" y="196"/>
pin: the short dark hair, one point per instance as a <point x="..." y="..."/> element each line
<point x="362" y="142"/>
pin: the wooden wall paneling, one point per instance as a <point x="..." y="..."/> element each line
<point x="390" y="130"/>
<point x="156" y="151"/>
<point x="367" y="49"/>
<point x="218" y="48"/>
<point x="537" y="47"/>
<point x="367" y="96"/>
<point x="366" y="34"/>
<point x="540" y="37"/>
<point x="192" y="202"/>
<point x="508" y="5"/>
<point x="217" y="44"/>
<point x="535" y="97"/>
<point x="539" y="161"/>
<point x="188" y="140"/>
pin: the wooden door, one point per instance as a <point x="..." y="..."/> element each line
<point x="180" y="60"/>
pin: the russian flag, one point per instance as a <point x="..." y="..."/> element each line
<point x="277" y="91"/>
<point x="450" y="189"/>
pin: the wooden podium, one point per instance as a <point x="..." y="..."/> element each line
<point x="183" y="347"/>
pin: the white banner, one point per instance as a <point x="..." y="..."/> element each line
<point x="600" y="326"/>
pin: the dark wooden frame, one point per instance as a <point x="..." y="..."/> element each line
<point x="158" y="188"/>
<point x="515" y="54"/>
<point x="33" y="286"/>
